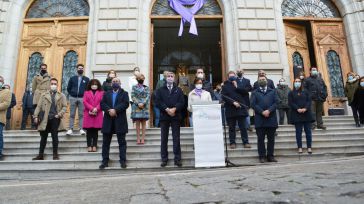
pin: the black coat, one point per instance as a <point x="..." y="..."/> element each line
<point x="298" y="100"/>
<point x="166" y="99"/>
<point x="230" y="94"/>
<point x="27" y="100"/>
<point x="120" y="121"/>
<point x="245" y="84"/>
<point x="270" y="84"/>
<point x="358" y="100"/>
<point x="316" y="87"/>
<point x="265" y="101"/>
<point x="72" y="87"/>
<point x="12" y="104"/>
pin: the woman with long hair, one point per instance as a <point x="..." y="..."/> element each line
<point x="92" y="113"/>
<point x="300" y="103"/>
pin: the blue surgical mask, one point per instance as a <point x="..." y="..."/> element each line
<point x="314" y="73"/>
<point x="297" y="85"/>
<point x="232" y="78"/>
<point x="362" y="84"/>
<point x="350" y="78"/>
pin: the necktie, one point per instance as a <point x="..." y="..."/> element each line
<point x="169" y="88"/>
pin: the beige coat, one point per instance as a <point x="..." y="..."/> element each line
<point x="40" y="85"/>
<point x="193" y="98"/>
<point x="5" y="99"/>
<point x="44" y="104"/>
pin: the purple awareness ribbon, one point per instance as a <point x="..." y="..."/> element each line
<point x="187" y="13"/>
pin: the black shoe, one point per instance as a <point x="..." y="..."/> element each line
<point x="321" y="127"/>
<point x="164" y="164"/>
<point x="103" y="166"/>
<point x="271" y="159"/>
<point x="313" y="127"/>
<point x="357" y="124"/>
<point x="261" y="159"/>
<point x="123" y="165"/>
<point x="178" y="163"/>
<point x="39" y="157"/>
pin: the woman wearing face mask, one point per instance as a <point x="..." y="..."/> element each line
<point x="358" y="100"/>
<point x="352" y="84"/>
<point x="140" y="96"/>
<point x="197" y="96"/>
<point x="283" y="108"/>
<point x="106" y="86"/>
<point x="300" y="104"/>
<point x="92" y="113"/>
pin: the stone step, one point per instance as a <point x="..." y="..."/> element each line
<point x="153" y="163"/>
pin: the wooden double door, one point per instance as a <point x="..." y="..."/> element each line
<point x="321" y="44"/>
<point x="60" y="43"/>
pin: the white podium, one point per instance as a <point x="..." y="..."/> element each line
<point x="208" y="135"/>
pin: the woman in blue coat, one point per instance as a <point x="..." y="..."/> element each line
<point x="300" y="103"/>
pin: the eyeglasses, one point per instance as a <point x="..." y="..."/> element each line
<point x="53" y="83"/>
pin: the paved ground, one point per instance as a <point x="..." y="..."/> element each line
<point x="335" y="181"/>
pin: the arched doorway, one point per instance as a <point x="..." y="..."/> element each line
<point x="184" y="54"/>
<point x="52" y="29"/>
<point x="315" y="30"/>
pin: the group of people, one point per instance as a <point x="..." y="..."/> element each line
<point x="103" y="107"/>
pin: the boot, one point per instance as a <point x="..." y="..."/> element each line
<point x="39" y="157"/>
<point x="357" y="123"/>
<point x="55" y="155"/>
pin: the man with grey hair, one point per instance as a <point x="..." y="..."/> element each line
<point x="270" y="82"/>
<point x="5" y="99"/>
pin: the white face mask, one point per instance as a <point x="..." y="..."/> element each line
<point x="1" y="84"/>
<point x="30" y="89"/>
<point x="54" y="88"/>
<point x="282" y="83"/>
<point x="94" y="87"/>
<point x="198" y="86"/>
<point x="112" y="75"/>
<point x="302" y="77"/>
<point x="200" y="75"/>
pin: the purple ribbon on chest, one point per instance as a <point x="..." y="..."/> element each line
<point x="187" y="13"/>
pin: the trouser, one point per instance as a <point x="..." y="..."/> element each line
<point x="27" y="112"/>
<point x="308" y="133"/>
<point x="106" y="141"/>
<point x="52" y="127"/>
<point x="282" y="112"/>
<point x="317" y="107"/>
<point x="157" y="114"/>
<point x="175" y="124"/>
<point x="92" y="136"/>
<point x="76" y="103"/>
<point x="242" y="126"/>
<point x="1" y="138"/>
<point x="261" y="133"/>
<point x="247" y="121"/>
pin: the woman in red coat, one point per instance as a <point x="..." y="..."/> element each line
<point x="92" y="113"/>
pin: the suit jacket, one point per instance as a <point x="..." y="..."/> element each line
<point x="245" y="84"/>
<point x="121" y="104"/>
<point x="260" y="102"/>
<point x="166" y="99"/>
<point x="231" y="94"/>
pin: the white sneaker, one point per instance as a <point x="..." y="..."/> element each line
<point x="69" y="132"/>
<point x="82" y="132"/>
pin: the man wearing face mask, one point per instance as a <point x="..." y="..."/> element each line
<point x="170" y="101"/>
<point x="352" y="84"/>
<point x="264" y="101"/>
<point x="206" y="85"/>
<point x="5" y="99"/>
<point x="40" y="84"/>
<point x="28" y="109"/>
<point x="245" y="84"/>
<point x="12" y="105"/>
<point x="76" y="88"/>
<point x="114" y="104"/>
<point x="270" y="82"/>
<point x="235" y="109"/>
<point x="316" y="86"/>
<point x="49" y="114"/>
<point x="283" y="107"/>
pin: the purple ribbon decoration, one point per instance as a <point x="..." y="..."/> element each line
<point x="187" y="13"/>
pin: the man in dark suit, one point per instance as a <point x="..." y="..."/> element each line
<point x="114" y="104"/>
<point x="170" y="101"/>
<point x="235" y="109"/>
<point x="28" y="108"/>
<point x="244" y="83"/>
<point x="264" y="101"/>
<point x="270" y="82"/>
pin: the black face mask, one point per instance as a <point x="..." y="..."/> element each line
<point x="240" y="75"/>
<point x="43" y="72"/>
<point x="80" y="72"/>
<point x="140" y="81"/>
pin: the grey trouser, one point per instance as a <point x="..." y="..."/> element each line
<point x="76" y="103"/>
<point x="317" y="107"/>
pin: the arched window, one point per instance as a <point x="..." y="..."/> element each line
<point x="310" y="8"/>
<point x="162" y="8"/>
<point x="70" y="61"/>
<point x="297" y="63"/>
<point x="35" y="60"/>
<point x="58" y="8"/>
<point x="336" y="78"/>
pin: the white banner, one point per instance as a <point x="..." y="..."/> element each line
<point x="208" y="135"/>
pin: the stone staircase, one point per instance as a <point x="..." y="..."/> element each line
<point x="341" y="139"/>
